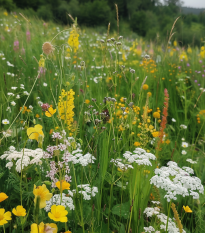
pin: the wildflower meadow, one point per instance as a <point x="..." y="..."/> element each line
<point x="100" y="133"/>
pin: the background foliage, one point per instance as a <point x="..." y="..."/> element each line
<point x="147" y="18"/>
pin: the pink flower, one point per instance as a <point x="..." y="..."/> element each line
<point x="16" y="45"/>
<point x="28" y="35"/>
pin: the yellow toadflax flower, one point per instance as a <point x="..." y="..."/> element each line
<point x="58" y="213"/>
<point x="3" y="197"/>
<point x="19" y="211"/>
<point x="50" y="112"/>
<point x="35" y="132"/>
<point x="62" y="185"/>
<point x="44" y="228"/>
<point x="187" y="209"/>
<point x="43" y="193"/>
<point x="4" y="217"/>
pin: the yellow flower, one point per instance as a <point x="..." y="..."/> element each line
<point x="155" y="134"/>
<point x="41" y="62"/>
<point x="87" y="101"/>
<point x="43" y="193"/>
<point x="3" y="197"/>
<point x="37" y="115"/>
<point x="187" y="209"/>
<point x="50" y="112"/>
<point x="145" y="87"/>
<point x="5" y="13"/>
<point x="68" y="232"/>
<point x="149" y="93"/>
<point x="4" y="217"/>
<point x="167" y="141"/>
<point x="44" y="228"/>
<point x="19" y="211"/>
<point x="175" y="43"/>
<point x="58" y="213"/>
<point x="137" y="144"/>
<point x="61" y="185"/>
<point x="156" y="115"/>
<point x="35" y="132"/>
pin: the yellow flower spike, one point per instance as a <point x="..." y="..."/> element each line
<point x="43" y="193"/>
<point x="187" y="209"/>
<point x="64" y="184"/>
<point x="50" y="112"/>
<point x="35" y="132"/>
<point x="4" y="217"/>
<point x="44" y="228"/>
<point x="19" y="211"/>
<point x="58" y="213"/>
<point x="3" y="197"/>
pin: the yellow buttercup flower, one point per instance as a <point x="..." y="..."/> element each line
<point x="44" y="228"/>
<point x="87" y="101"/>
<point x="58" y="213"/>
<point x="137" y="144"/>
<point x="4" y="217"/>
<point x="5" y="13"/>
<point x="156" y="115"/>
<point x="19" y="211"/>
<point x="50" y="112"/>
<point x="35" y="132"/>
<point x="62" y="185"/>
<point x="43" y="193"/>
<point x="3" y="197"/>
<point x="187" y="209"/>
<point x="145" y="87"/>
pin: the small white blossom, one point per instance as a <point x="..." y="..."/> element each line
<point x="45" y="84"/>
<point x="13" y="88"/>
<point x="17" y="96"/>
<point x="185" y="144"/>
<point x="184" y="152"/>
<point x="13" y="103"/>
<point x="26" y="93"/>
<point x="191" y="161"/>
<point x="173" y="120"/>
<point x="5" y="122"/>
<point x="183" y="126"/>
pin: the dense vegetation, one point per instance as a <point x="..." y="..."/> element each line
<point x="99" y="133"/>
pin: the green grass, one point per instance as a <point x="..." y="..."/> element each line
<point x="94" y="72"/>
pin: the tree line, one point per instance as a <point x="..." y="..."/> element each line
<point x="148" y="18"/>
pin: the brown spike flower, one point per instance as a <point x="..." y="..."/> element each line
<point x="47" y="48"/>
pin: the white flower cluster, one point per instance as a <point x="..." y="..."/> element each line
<point x="172" y="228"/>
<point x="177" y="181"/>
<point x="78" y="158"/>
<point x="150" y="229"/>
<point x="118" y="163"/>
<point x="23" y="158"/>
<point x="191" y="161"/>
<point x="86" y="191"/>
<point x="139" y="156"/>
<point x="56" y="200"/>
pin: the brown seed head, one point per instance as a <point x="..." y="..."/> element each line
<point x="47" y="48"/>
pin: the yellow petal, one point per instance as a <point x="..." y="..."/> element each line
<point x="3" y="197"/>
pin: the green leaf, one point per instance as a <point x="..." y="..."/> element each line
<point x="122" y="210"/>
